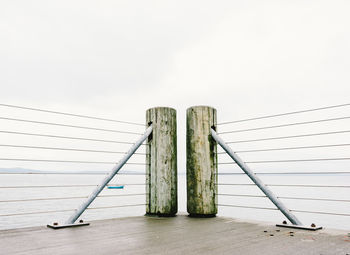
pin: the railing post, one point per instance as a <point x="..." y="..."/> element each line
<point x="201" y="162"/>
<point x="161" y="163"/>
<point x="273" y="198"/>
<point x="71" y="220"/>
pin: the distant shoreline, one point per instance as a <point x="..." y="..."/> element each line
<point x="33" y="171"/>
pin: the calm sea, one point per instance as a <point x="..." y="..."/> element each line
<point x="111" y="198"/>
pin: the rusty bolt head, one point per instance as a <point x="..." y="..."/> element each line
<point x="55" y="223"/>
<point x="313" y="225"/>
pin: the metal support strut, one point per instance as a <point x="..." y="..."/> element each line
<point x="94" y="194"/>
<point x="291" y="217"/>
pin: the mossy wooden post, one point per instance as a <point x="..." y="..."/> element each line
<point x="201" y="162"/>
<point x="161" y="163"/>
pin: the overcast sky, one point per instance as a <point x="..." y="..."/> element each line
<point x="118" y="58"/>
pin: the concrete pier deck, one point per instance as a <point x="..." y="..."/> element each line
<point x="177" y="235"/>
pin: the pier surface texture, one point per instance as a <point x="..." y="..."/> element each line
<point x="177" y="235"/>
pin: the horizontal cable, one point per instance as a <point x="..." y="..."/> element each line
<point x="283" y="125"/>
<point x="286" y="160"/>
<point x="48" y="186"/>
<point x="70" y="126"/>
<point x="131" y="173"/>
<point x="116" y="206"/>
<point x="40" y="212"/>
<point x="286" y="185"/>
<point x="284" y="114"/>
<point x="316" y="199"/>
<point x="238" y="195"/>
<point x="308" y="185"/>
<point x="230" y="174"/>
<point x="64" y="137"/>
<point x="300" y="211"/>
<point x="292" y="136"/>
<point x="124" y="195"/>
<point x="290" y="148"/>
<point x="71" y="114"/>
<point x="66" y="161"/>
<point x="65" y="198"/>
<point x="282" y="173"/>
<point x="66" y="186"/>
<point x="249" y="207"/>
<point x="127" y="184"/>
<point x="327" y="213"/>
<point x="63" y="149"/>
<point x="40" y="199"/>
<point x="292" y="198"/>
<point x="235" y="184"/>
<point x="67" y="173"/>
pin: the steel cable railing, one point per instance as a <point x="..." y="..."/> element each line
<point x="321" y="190"/>
<point x="71" y="114"/>
<point x="287" y="173"/>
<point x="114" y="206"/>
<point x="285" y="114"/>
<point x="64" y="137"/>
<point x="284" y="161"/>
<point x="292" y="210"/>
<point x="64" y="198"/>
<point x="292" y="198"/>
<point x="287" y="185"/>
<point x="67" y="173"/>
<point x="283" y="125"/>
<point x="70" y="126"/>
<point x="66" y="210"/>
<point x="288" y="148"/>
<point x="289" y="137"/>
<point x="68" y="151"/>
<point x="67" y="161"/>
<point x="66" y="186"/>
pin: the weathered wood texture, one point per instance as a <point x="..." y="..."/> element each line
<point x="161" y="161"/>
<point x="201" y="162"/>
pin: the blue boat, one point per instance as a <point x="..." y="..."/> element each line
<point x="116" y="187"/>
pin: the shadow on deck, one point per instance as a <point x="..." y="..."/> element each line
<point x="177" y="235"/>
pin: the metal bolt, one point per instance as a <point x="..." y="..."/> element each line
<point x="81" y="221"/>
<point x="55" y="223"/>
<point x="313" y="225"/>
<point x="284" y="222"/>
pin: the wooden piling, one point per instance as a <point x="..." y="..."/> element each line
<point x="161" y="163"/>
<point x="201" y="162"/>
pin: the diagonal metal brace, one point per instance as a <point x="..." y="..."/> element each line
<point x="106" y="180"/>
<point x="278" y="203"/>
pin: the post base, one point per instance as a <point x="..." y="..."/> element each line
<point x="298" y="227"/>
<point x="160" y="214"/>
<point x="196" y="215"/>
<point x="57" y="226"/>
